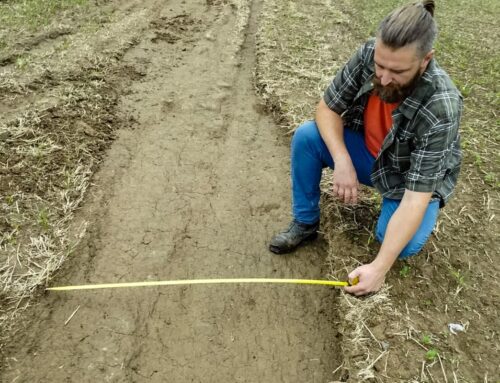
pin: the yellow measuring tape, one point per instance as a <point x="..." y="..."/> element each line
<point x="202" y="282"/>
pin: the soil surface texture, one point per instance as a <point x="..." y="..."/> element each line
<point x="194" y="189"/>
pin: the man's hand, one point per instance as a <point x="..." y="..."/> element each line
<point x="371" y="278"/>
<point x="345" y="181"/>
<point x="331" y="129"/>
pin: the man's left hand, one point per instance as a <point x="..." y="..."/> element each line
<point x="371" y="278"/>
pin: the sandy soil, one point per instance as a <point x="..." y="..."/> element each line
<point x="194" y="189"/>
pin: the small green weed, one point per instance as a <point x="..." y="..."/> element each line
<point x="428" y="302"/>
<point x="43" y="219"/>
<point x="490" y="178"/>
<point x="459" y="277"/>
<point x="405" y="271"/>
<point x="371" y="239"/>
<point x="426" y="339"/>
<point x="22" y="62"/>
<point x="9" y="238"/>
<point x="432" y="354"/>
<point x="10" y="199"/>
<point x="478" y="161"/>
<point x="464" y="88"/>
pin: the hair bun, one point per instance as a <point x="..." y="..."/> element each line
<point x="429" y="6"/>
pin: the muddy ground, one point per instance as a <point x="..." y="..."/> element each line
<point x="193" y="189"/>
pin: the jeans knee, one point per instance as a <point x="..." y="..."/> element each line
<point x="414" y="246"/>
<point x="306" y="134"/>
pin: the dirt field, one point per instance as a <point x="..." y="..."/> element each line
<point x="194" y="189"/>
<point x="135" y="148"/>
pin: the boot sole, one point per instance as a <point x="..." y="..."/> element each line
<point x="278" y="250"/>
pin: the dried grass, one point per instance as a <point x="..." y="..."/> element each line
<point x="242" y="11"/>
<point x="299" y="48"/>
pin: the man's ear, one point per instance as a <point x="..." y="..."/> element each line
<point x="425" y="61"/>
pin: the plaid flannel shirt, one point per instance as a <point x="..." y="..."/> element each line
<point x="421" y="152"/>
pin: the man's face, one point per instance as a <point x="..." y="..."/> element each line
<point x="397" y="71"/>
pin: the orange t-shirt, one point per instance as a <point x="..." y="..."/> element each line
<point x="378" y="122"/>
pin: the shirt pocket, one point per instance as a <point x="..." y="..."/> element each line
<point x="400" y="155"/>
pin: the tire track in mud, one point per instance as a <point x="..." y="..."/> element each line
<point x="194" y="191"/>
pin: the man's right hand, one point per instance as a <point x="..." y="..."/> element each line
<point x="331" y="129"/>
<point x="345" y="180"/>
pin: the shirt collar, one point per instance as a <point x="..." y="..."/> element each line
<point x="425" y="87"/>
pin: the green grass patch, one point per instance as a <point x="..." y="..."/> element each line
<point x="405" y="271"/>
<point x="24" y="23"/>
<point x="427" y="340"/>
<point x="432" y="354"/>
<point x="458" y="276"/>
<point x="33" y="14"/>
<point x="43" y="219"/>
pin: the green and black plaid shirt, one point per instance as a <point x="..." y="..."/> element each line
<point x="421" y="152"/>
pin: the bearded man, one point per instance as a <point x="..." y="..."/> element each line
<point x="389" y="120"/>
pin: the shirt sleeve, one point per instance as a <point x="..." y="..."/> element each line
<point x="433" y="152"/>
<point x="346" y="83"/>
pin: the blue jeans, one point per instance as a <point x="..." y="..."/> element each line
<point x="310" y="155"/>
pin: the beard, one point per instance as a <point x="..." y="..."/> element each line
<point x="393" y="93"/>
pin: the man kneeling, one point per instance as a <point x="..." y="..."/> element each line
<point x="389" y="120"/>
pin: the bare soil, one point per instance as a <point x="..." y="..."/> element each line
<point x="194" y="188"/>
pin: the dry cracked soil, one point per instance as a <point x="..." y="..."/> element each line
<point x="193" y="189"/>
